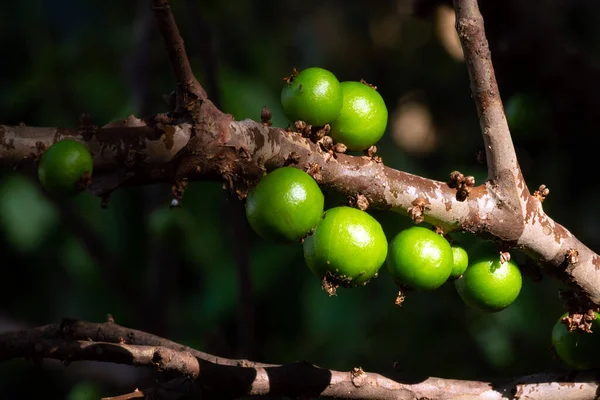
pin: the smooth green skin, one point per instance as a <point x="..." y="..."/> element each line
<point x="314" y="96"/>
<point x="578" y="350"/>
<point x="349" y="244"/>
<point x="488" y="285"/>
<point x="460" y="261"/>
<point x="285" y="205"/>
<point x="420" y="259"/>
<point x="62" y="166"/>
<point x="362" y="119"/>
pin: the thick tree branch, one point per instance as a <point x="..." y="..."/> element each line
<point x="135" y="151"/>
<point x="240" y="378"/>
<point x="188" y="88"/>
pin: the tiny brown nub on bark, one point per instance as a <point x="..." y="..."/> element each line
<point x="456" y="178"/>
<point x="326" y="143"/>
<point x="300" y="125"/>
<point x="324" y="131"/>
<point x="340" y="148"/>
<point x="541" y="193"/>
<point x="360" y="201"/>
<point x="265" y="116"/>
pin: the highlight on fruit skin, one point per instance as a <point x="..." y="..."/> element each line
<point x="419" y="259"/>
<point x="488" y="284"/>
<point x="576" y="349"/>
<point x="285" y="206"/>
<point x="314" y="96"/>
<point x="362" y="119"/>
<point x="347" y="249"/>
<point x="65" y="168"/>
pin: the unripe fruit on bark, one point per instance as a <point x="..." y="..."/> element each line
<point x="313" y="96"/>
<point x="419" y="259"/>
<point x="362" y="119"/>
<point x="347" y="248"/>
<point x="285" y="205"/>
<point x="489" y="285"/>
<point x="578" y="350"/>
<point x="65" y="168"/>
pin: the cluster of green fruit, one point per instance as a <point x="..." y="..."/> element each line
<point x="355" y="111"/>
<point x="346" y="247"/>
<point x="65" y="168"/>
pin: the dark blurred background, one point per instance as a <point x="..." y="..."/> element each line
<point x="197" y="274"/>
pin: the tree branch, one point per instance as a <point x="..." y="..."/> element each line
<point x="238" y="152"/>
<point x="499" y="149"/>
<point x="208" y="144"/>
<point x="238" y="378"/>
<point x="109" y="332"/>
<point x="67" y="351"/>
<point x="543" y="239"/>
<point x="188" y="88"/>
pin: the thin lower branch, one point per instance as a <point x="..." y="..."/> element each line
<point x="67" y="351"/>
<point x="239" y="378"/>
<point x="136" y="394"/>
<point x="109" y="332"/>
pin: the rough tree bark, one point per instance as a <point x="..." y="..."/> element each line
<point x="198" y="141"/>
<point x="78" y="340"/>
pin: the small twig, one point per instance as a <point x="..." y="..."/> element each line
<point x="188" y="88"/>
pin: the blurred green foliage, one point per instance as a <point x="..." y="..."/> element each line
<point x="64" y="58"/>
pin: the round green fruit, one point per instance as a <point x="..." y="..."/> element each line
<point x="578" y="350"/>
<point x="347" y="248"/>
<point x="460" y="261"/>
<point x="362" y="119"/>
<point x="65" y="168"/>
<point x="285" y="206"/>
<point x="419" y="259"/>
<point x="313" y="96"/>
<point x="489" y="285"/>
